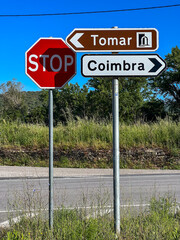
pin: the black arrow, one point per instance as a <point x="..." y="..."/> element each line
<point x="156" y="63"/>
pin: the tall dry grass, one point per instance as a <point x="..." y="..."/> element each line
<point x="91" y="133"/>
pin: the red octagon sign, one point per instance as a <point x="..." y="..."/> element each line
<point x="50" y="63"/>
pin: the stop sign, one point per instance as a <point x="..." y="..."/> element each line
<point x="50" y="63"/>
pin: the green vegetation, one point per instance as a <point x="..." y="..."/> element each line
<point x="90" y="133"/>
<point x="139" y="98"/>
<point x="87" y="143"/>
<point x="83" y="119"/>
<point x="168" y="84"/>
<point x="161" y="220"/>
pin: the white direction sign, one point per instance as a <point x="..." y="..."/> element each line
<point x="144" y="65"/>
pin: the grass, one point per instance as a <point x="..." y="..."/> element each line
<point x="90" y="133"/>
<point x="160" y="220"/>
<point x="84" y="134"/>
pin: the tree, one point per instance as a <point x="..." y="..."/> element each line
<point x="14" y="106"/>
<point x="132" y="91"/>
<point x="100" y="98"/>
<point x="152" y="110"/>
<point x="168" y="83"/>
<point x="69" y="102"/>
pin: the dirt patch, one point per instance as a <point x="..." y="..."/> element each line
<point x="89" y="157"/>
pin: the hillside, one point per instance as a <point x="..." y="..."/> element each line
<point x="86" y="143"/>
<point x="31" y="99"/>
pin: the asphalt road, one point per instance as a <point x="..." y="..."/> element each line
<point x="136" y="190"/>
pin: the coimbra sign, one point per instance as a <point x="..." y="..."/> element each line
<point x="122" y="65"/>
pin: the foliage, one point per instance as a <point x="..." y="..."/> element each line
<point x="100" y="98"/>
<point x="132" y="91"/>
<point x="68" y="224"/>
<point x="94" y="100"/>
<point x="70" y="101"/>
<point x="159" y="221"/>
<point x="92" y="133"/>
<point x="13" y="104"/>
<point x="153" y="110"/>
<point x="32" y="99"/>
<point x="168" y="83"/>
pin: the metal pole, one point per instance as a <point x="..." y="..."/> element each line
<point x="116" y="180"/>
<point x="51" y="159"/>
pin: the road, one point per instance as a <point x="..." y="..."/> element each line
<point x="32" y="193"/>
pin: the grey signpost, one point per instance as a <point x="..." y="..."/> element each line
<point x="116" y="181"/>
<point x="106" y="65"/>
<point x="51" y="158"/>
<point x="120" y="65"/>
<point x="50" y="71"/>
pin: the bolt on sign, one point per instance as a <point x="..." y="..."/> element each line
<point x="114" y="40"/>
<point x="50" y="63"/>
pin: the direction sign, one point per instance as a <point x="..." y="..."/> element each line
<point x="114" y="40"/>
<point x="50" y="63"/>
<point x="122" y="65"/>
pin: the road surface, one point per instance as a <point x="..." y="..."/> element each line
<point x="136" y="187"/>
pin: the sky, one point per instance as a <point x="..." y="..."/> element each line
<point x="18" y="34"/>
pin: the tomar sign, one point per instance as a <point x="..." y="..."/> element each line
<point x="122" y="65"/>
<point x="114" y="40"/>
<point x="50" y="63"/>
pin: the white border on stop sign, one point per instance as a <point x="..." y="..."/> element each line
<point x="49" y="38"/>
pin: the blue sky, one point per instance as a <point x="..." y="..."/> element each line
<point x="20" y="33"/>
